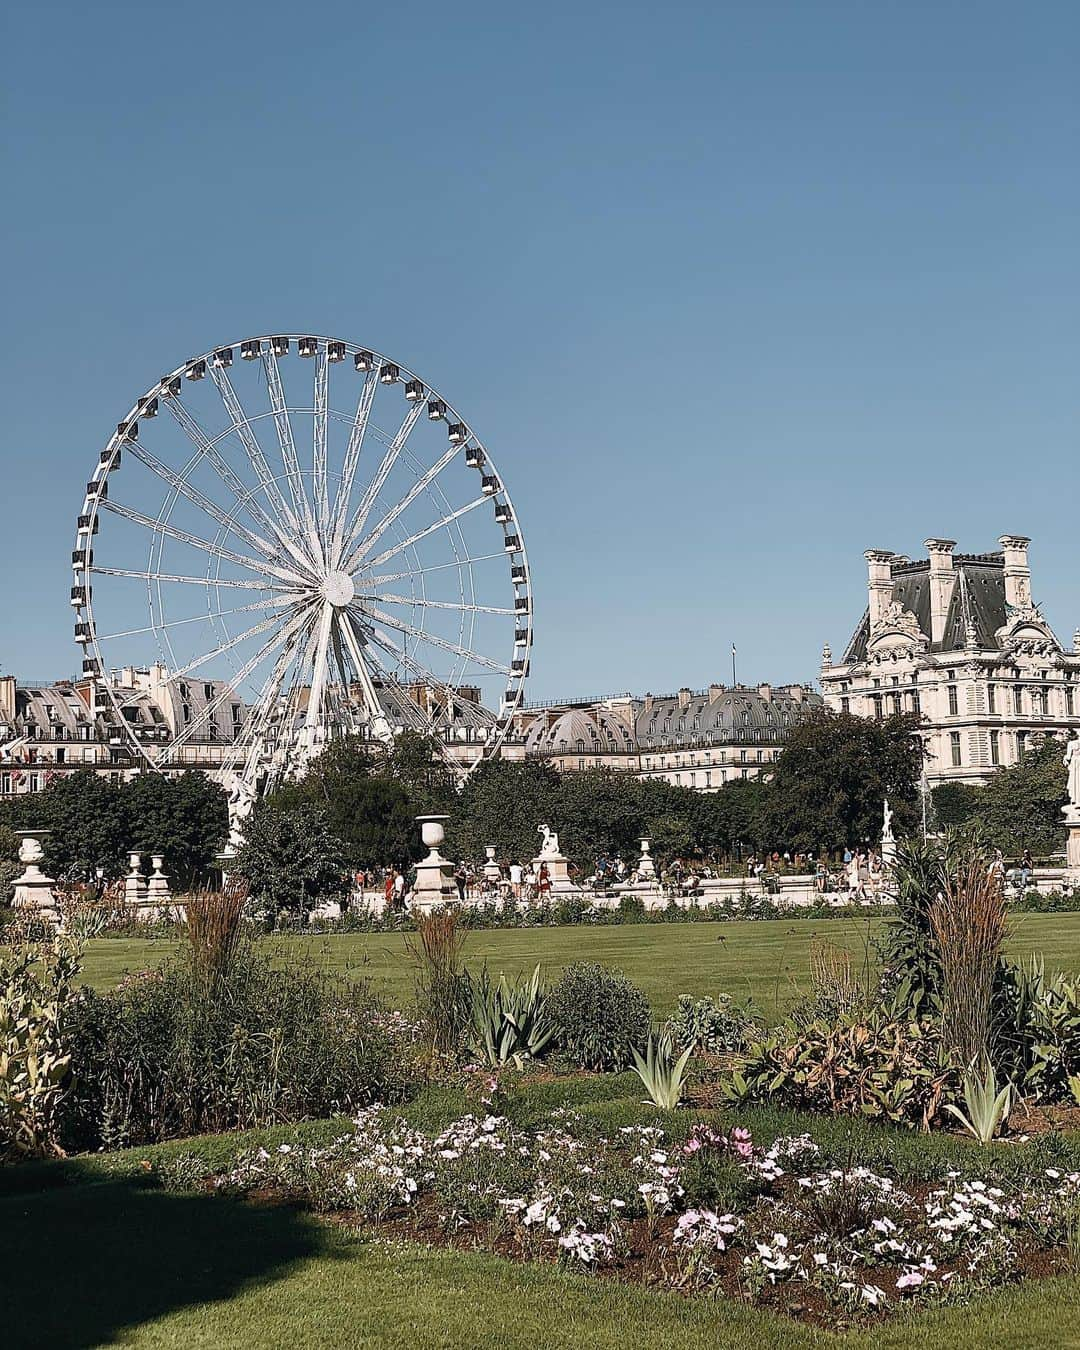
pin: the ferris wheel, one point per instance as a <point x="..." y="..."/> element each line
<point x="292" y="538"/>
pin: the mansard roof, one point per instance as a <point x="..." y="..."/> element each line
<point x="978" y="600"/>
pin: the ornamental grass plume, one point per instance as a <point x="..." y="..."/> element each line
<point x="215" y="928"/>
<point x="968" y="921"/>
<point x="441" y="986"/>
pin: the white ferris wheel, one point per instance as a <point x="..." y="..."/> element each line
<point x="315" y="540"/>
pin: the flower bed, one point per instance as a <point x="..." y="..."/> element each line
<point x="790" y="1225"/>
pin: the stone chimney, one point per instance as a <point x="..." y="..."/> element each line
<point x="798" y="693"/>
<point x="7" y="699"/>
<point x="942" y="581"/>
<point x="715" y="690"/>
<point x="879" y="580"/>
<point x="765" y="692"/>
<point x="684" y="699"/>
<point x="647" y="703"/>
<point x="1017" y="571"/>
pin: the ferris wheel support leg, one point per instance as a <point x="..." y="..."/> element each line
<point x="379" y="725"/>
<point x="318" y="678"/>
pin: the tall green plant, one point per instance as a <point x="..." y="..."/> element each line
<point x="36" y="990"/>
<point x="508" y="1021"/>
<point x="662" y="1073"/>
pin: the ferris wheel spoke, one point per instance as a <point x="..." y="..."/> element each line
<point x="286" y="445"/>
<point x="319" y="488"/>
<point x="256" y="630"/>
<point x="214" y="704"/>
<point x="259" y="464"/>
<point x="318" y="678"/>
<point x="389" y="599"/>
<point x="355" y="643"/>
<point x="371" y="612"/>
<point x="352" y="459"/>
<point x="382" y="473"/>
<point x="148" y="574"/>
<point x="225" y="471"/>
<point x="403" y="505"/>
<point x="388" y="578"/>
<point x="266" y="702"/>
<point x="422" y="534"/>
<point x="195" y="618"/>
<point x="199" y="499"/>
<point x="207" y="546"/>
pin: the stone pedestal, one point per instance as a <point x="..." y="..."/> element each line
<point x="33" y="889"/>
<point x="492" y="871"/>
<point x="1072" y="847"/>
<point x="135" y="881"/>
<point x="646" y="868"/>
<point x="558" y="870"/>
<point x="435" y="884"/>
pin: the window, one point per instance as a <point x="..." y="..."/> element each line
<point x="1069" y="701"/>
<point x="954" y="742"/>
<point x="995" y="747"/>
<point x="875" y="699"/>
<point x="1018" y="700"/>
<point x="916" y="701"/>
<point x="954" y="705"/>
<point x="991" y="698"/>
<point x="60" y="756"/>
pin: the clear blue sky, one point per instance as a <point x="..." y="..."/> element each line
<point x="733" y="291"/>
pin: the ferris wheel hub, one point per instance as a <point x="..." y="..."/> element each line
<point x="338" y="588"/>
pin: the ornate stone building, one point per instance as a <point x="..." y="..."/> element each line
<point x="49" y="730"/>
<point x="958" y="638"/>
<point x="697" y="740"/>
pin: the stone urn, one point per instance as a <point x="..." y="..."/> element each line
<point x="646" y="868"/>
<point x="33" y="889"/>
<point x="434" y="874"/>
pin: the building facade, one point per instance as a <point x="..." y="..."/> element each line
<point x="699" y="740"/>
<point x="958" y="639"/>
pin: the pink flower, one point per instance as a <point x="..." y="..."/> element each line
<point x="911" y="1280"/>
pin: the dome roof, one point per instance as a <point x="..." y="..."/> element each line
<point x="580" y="730"/>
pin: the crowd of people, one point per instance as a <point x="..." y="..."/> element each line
<point x="855" y="874"/>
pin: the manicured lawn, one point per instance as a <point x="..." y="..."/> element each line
<point x="768" y="960"/>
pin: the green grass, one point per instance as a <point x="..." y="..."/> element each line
<point x="91" y="1254"/>
<point x="768" y="960"/>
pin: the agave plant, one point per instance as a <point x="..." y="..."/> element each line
<point x="987" y="1108"/>
<point x="661" y="1073"/>
<point x="509" y="1022"/>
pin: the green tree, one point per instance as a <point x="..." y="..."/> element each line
<point x="833" y="775"/>
<point x="955" y="803"/>
<point x="1021" y="805"/>
<point x="371" y="814"/>
<point x="291" y="859"/>
<point x="185" y="818"/>
<point x="502" y="803"/>
<point x="86" y="820"/>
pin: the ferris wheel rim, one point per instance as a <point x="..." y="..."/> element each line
<point x="355" y="554"/>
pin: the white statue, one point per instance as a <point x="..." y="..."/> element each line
<point x="886" y="833"/>
<point x="241" y="801"/>
<point x="1072" y="763"/>
<point x="549" y="842"/>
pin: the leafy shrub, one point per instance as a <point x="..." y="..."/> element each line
<point x="862" y="1065"/>
<point x="713" y="1025"/>
<point x="291" y="861"/>
<point x="601" y="1016"/>
<point x="1036" y="1028"/>
<point x="35" y="997"/>
<point x="168" y="1054"/>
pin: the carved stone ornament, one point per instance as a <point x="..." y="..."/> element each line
<point x="1025" y="630"/>
<point x="900" y="625"/>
